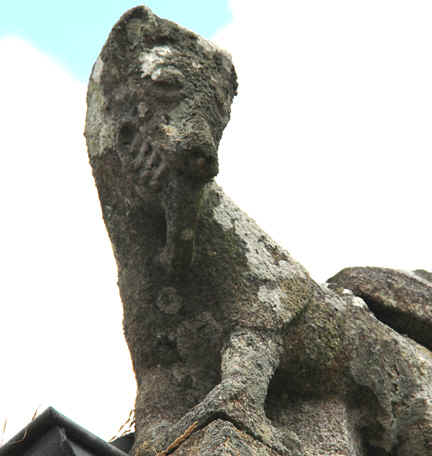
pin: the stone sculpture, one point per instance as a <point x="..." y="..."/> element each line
<point x="232" y="342"/>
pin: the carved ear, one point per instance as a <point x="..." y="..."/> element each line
<point x="142" y="12"/>
<point x="135" y="26"/>
<point x="140" y="25"/>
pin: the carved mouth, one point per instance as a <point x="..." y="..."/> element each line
<point x="201" y="164"/>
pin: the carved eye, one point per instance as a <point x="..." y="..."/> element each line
<point x="169" y="76"/>
<point x="198" y="158"/>
<point x="126" y="134"/>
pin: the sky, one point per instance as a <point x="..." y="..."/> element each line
<point x="73" y="33"/>
<point x="328" y="148"/>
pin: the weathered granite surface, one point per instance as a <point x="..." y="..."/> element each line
<point x="222" y="438"/>
<point x="236" y="350"/>
<point x="401" y="299"/>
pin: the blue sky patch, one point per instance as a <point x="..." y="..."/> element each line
<point x="74" y="32"/>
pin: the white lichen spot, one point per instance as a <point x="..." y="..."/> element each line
<point x="413" y="275"/>
<point x="170" y="130"/>
<point x="335" y="302"/>
<point x="97" y="70"/>
<point x="358" y="302"/>
<point x="222" y="217"/>
<point x="151" y="59"/>
<point x="341" y="303"/>
<point x="142" y="110"/>
<point x="272" y="306"/>
<point x="271" y="297"/>
<point x="156" y="74"/>
<point x="169" y="75"/>
<point x="99" y="128"/>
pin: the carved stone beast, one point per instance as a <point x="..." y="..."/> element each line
<point x="214" y="310"/>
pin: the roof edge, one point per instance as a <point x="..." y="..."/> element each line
<point x="49" y="419"/>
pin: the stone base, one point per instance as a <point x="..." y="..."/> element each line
<point x="222" y="438"/>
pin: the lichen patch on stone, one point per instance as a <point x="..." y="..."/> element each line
<point x="274" y="298"/>
<point x="271" y="308"/>
<point x="151" y="59"/>
<point x="170" y="130"/>
<point x="223" y="217"/>
<point x="99" y="129"/>
<point x="97" y="70"/>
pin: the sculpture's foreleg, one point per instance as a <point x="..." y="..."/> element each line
<point x="249" y="361"/>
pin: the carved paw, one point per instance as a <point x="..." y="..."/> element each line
<point x="227" y="402"/>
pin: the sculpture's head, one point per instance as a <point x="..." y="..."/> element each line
<point x="160" y="97"/>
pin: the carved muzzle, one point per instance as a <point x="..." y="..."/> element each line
<point x="197" y="153"/>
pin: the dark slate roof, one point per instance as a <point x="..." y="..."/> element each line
<point x="125" y="442"/>
<point x="52" y="434"/>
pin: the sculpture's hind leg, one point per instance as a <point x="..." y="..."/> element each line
<point x="249" y="361"/>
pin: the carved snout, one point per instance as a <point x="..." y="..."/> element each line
<point x="203" y="163"/>
<point x="198" y="153"/>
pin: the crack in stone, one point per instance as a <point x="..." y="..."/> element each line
<point x="390" y="317"/>
<point x="194" y="428"/>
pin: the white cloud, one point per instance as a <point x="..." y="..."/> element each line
<point x="60" y="330"/>
<point x="329" y="146"/>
